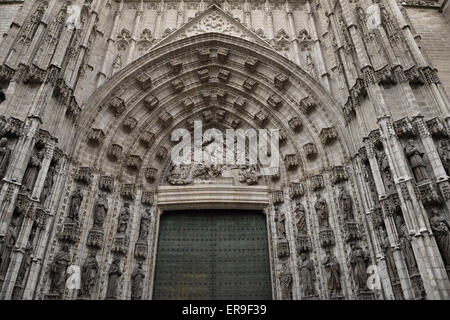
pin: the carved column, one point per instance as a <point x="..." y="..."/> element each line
<point x="134" y="35"/>
<point x="269" y="21"/>
<point x="159" y="22"/>
<point x="292" y="35"/>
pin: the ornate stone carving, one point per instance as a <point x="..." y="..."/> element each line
<point x="310" y="150"/>
<point x="222" y="54"/>
<point x="239" y="102"/>
<point x="137" y="282"/>
<point x="151" y="102"/>
<point x="83" y="175"/>
<point x="328" y="135"/>
<point x="291" y="161"/>
<point x="58" y="269"/>
<point x="308" y="104"/>
<point x="204" y="54"/>
<point x="144" y="79"/>
<point x="285" y="283"/>
<point x="203" y="75"/>
<point x="9" y="240"/>
<point x="206" y="96"/>
<point x="96" y="136"/>
<point x="260" y="118"/>
<point x="338" y="174"/>
<point x="415" y="158"/>
<point x="32" y="171"/>
<point x="130" y="123"/>
<point x="224" y="75"/>
<point x="429" y="193"/>
<point x="134" y="161"/>
<point x="147" y="138"/>
<point x="386" y="173"/>
<point x="444" y="154"/>
<point x="177" y="85"/>
<point x="277" y="196"/>
<point x="48" y="184"/>
<point x="321" y="208"/>
<point x="161" y="153"/>
<point x="151" y="173"/>
<point x="251" y="63"/>
<point x="307" y="276"/>
<point x="115" y="151"/>
<point x="317" y="182"/>
<point x="405" y="244"/>
<point x="441" y="230"/>
<point x="437" y="128"/>
<point x="359" y="261"/>
<point x="283" y="249"/>
<point x="128" y="191"/>
<point x="114" y="274"/>
<point x="179" y="175"/>
<point x="106" y="183"/>
<point x="175" y="66"/>
<point x="296" y="190"/>
<point x="89" y="276"/>
<point x="280" y="220"/>
<point x="280" y="81"/>
<point x="274" y="101"/>
<point x="346" y="205"/>
<point x="333" y="270"/>
<point x="165" y="117"/>
<point x="147" y="198"/>
<point x="249" y="84"/>
<point x="117" y="105"/>
<point x="222" y="95"/>
<point x="295" y="124"/>
<point x="75" y="203"/>
<point x="404" y="128"/>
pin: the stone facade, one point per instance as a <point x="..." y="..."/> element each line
<point x="91" y="100"/>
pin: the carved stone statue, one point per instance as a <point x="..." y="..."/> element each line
<point x="137" y="282"/>
<point x="32" y="171"/>
<point x="5" y="153"/>
<point x="388" y="254"/>
<point x="58" y="271"/>
<point x="307" y="275"/>
<point x="359" y="260"/>
<point x="75" y="204"/>
<point x="25" y="264"/>
<point x="405" y="244"/>
<point x="123" y="219"/>
<point x="321" y="208"/>
<point x="333" y="270"/>
<point x="280" y="221"/>
<point x="145" y="224"/>
<point x="9" y="241"/>
<point x="444" y="153"/>
<point x="179" y="175"/>
<point x="416" y="161"/>
<point x="100" y="211"/>
<point x="441" y="229"/>
<point x="345" y="201"/>
<point x="48" y="184"/>
<point x="386" y="173"/>
<point x="300" y="218"/>
<point x="113" y="280"/>
<point x="89" y="275"/>
<point x="286" y="283"/>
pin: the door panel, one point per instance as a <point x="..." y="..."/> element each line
<point x="212" y="254"/>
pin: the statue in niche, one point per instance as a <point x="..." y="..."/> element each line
<point x="307" y="275"/>
<point x="123" y="219"/>
<point x="321" y="208"/>
<point x="100" y="211"/>
<point x="9" y="240"/>
<point x="75" y="204"/>
<point x="48" y="184"/>
<point x="359" y="260"/>
<point x="280" y="220"/>
<point x="444" y="153"/>
<point x="345" y="201"/>
<point x="415" y="158"/>
<point x="441" y="229"/>
<point x="145" y="224"/>
<point x="26" y="263"/>
<point x="388" y="253"/>
<point x="369" y="179"/>
<point x="333" y="270"/>
<point x="137" y="282"/>
<point x="300" y="218"/>
<point x="5" y="153"/>
<point x="58" y="270"/>
<point x="89" y="274"/>
<point x="113" y="280"/>
<point x="286" y="283"/>
<point x="405" y="244"/>
<point x="386" y="173"/>
<point x="32" y="171"/>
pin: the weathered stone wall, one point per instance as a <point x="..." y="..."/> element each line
<point x="8" y="10"/>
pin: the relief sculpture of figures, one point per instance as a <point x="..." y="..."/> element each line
<point x="300" y="218"/>
<point x="405" y="244"/>
<point x="113" y="280"/>
<point x="441" y="229"/>
<point x="123" y="219"/>
<point x="100" y="211"/>
<point x="386" y="173"/>
<point x="359" y="261"/>
<point x="5" y="153"/>
<point x="444" y="153"/>
<point x="280" y="220"/>
<point x="321" y="208"/>
<point x="75" y="204"/>
<point x="9" y="240"/>
<point x="307" y="275"/>
<point x="137" y="282"/>
<point x="286" y="283"/>
<point x="415" y="158"/>
<point x="333" y="270"/>
<point x="89" y="274"/>
<point x="32" y="171"/>
<point x="345" y="201"/>
<point x="58" y="270"/>
<point x="48" y="184"/>
<point x="145" y="224"/>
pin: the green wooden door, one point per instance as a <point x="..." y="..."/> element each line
<point x="212" y="254"/>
